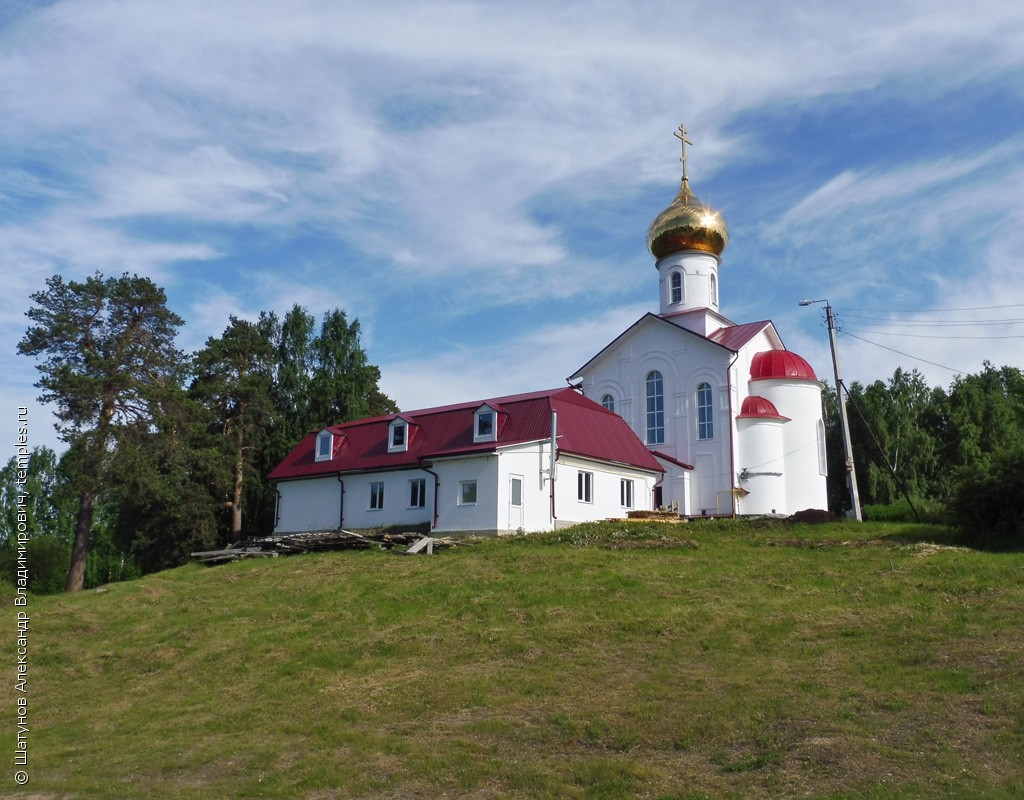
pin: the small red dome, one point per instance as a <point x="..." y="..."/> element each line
<point x="755" y="406"/>
<point x="780" y="364"/>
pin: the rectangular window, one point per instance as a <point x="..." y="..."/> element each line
<point x="516" y="498"/>
<point x="585" y="486"/>
<point x="626" y="493"/>
<point x="398" y="436"/>
<point x="417" y="493"/>
<point x="377" y="495"/>
<point x="485" y="425"/>
<point x="323" y="446"/>
<point x="467" y="493"/>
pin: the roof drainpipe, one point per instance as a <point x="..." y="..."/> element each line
<point x="437" y="485"/>
<point x="732" y="438"/>
<point x="554" y="463"/>
<point x="341" y="503"/>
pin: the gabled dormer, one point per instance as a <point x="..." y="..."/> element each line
<point x="399" y="433"/>
<point x="325" y="443"/>
<point x="485" y="424"/>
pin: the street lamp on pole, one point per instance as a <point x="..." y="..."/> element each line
<point x="844" y="424"/>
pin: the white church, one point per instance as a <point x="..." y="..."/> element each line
<point x="685" y="410"/>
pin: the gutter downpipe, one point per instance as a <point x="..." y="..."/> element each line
<point x="341" y="503"/>
<point x="732" y="437"/>
<point x="554" y="463"/>
<point x="437" y="485"/>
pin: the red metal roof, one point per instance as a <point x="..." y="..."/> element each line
<point x="584" y="429"/>
<point x="780" y="364"/>
<point x="736" y="336"/>
<point x="759" y="407"/>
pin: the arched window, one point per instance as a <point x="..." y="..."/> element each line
<point x="714" y="289"/>
<point x="608" y="402"/>
<point x="705" y="413"/>
<point x="655" y="408"/>
<point x="676" y="283"/>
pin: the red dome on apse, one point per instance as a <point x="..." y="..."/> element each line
<point x="780" y="364"/>
<point x="755" y="406"/>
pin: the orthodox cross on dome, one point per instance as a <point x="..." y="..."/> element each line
<point x="680" y="134"/>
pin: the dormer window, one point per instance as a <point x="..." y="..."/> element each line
<point x="398" y="436"/>
<point x="324" y="445"/>
<point x="485" y="425"/>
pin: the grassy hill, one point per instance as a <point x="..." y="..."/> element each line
<point x="615" y="660"/>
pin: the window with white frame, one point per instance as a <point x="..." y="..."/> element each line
<point x="626" y="493"/>
<point x="398" y="438"/>
<point x="608" y="402"/>
<point x="705" y="412"/>
<point x="485" y="425"/>
<point x="467" y="493"/>
<point x="585" y="486"/>
<point x="655" y="386"/>
<point x="417" y="493"/>
<point x="676" y="287"/>
<point x="714" y="289"/>
<point x="377" y="495"/>
<point x="822" y="459"/>
<point x="324" y="446"/>
<point x="516" y="491"/>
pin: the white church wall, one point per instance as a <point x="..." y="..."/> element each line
<point x="761" y="466"/>
<point x="696" y="270"/>
<point x="801" y="402"/>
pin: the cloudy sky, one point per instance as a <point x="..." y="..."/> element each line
<point x="473" y="180"/>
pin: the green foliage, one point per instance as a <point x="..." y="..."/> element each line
<point x="988" y="505"/>
<point x="947" y="448"/>
<point x="108" y="355"/>
<point x="48" y="502"/>
<point x="322" y="377"/>
<point x="900" y="510"/>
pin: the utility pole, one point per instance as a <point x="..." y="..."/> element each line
<point x="844" y="423"/>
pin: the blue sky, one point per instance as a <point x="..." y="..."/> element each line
<point x="473" y="181"/>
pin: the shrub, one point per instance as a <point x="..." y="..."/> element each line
<point x="988" y="500"/>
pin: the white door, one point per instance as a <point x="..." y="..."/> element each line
<point x="515" y="502"/>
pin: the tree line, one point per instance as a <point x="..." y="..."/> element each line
<point x="167" y="452"/>
<point x="954" y="454"/>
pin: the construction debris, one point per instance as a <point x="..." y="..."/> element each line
<point x="274" y="546"/>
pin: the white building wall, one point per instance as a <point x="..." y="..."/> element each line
<point x="761" y="452"/>
<point x="453" y="515"/>
<point x="801" y="402"/>
<point x="530" y="463"/>
<point x="684" y="361"/>
<point x="313" y="504"/>
<point x="606" y="495"/>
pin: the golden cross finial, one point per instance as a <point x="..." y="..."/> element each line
<point x="683" y="141"/>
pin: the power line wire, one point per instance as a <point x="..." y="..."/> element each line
<point x="908" y="355"/>
<point x="879" y="332"/>
<point x="924" y="323"/>
<point x="932" y="310"/>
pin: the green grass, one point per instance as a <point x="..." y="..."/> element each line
<point x="707" y="660"/>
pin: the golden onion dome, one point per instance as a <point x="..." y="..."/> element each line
<point x="687" y="224"/>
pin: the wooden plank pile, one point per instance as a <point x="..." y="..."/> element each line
<point x="317" y="541"/>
